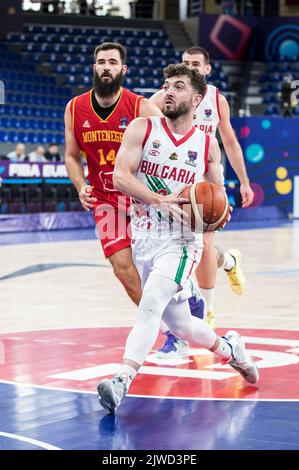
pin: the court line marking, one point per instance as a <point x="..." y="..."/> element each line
<point x="88" y="392"/>
<point x="35" y="442"/>
<point x="290" y="272"/>
<point x="130" y="326"/>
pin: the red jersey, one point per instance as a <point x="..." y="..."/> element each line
<point x="99" y="140"/>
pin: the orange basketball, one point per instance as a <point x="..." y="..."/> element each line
<point x="209" y="207"/>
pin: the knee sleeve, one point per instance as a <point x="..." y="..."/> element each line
<point x="157" y="293"/>
<point x="185" y="326"/>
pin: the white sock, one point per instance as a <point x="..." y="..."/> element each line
<point x="127" y="373"/>
<point x="229" y="261"/>
<point x="223" y="350"/>
<point x="208" y="295"/>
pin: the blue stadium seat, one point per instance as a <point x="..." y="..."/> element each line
<point x="4" y="136"/>
<point x="42" y="138"/>
<point x="22" y="137"/>
<point x="16" y="123"/>
<point x="12" y="136"/>
<point x="32" y="138"/>
<point x="272" y="110"/>
<point x="5" y="122"/>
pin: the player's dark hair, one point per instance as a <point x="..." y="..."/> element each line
<point x="198" y="81"/>
<point x="107" y="46"/>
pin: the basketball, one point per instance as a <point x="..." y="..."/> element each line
<point x="208" y="209"/>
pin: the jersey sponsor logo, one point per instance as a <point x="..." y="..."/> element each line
<point x="123" y="122"/>
<point x="173" y="156"/>
<point x="192" y="158"/>
<point x="166" y="172"/>
<point x="102" y="136"/>
<point x="86" y="124"/>
<point x="156" y="144"/>
<point x="163" y="192"/>
<point x="208" y="115"/>
<point x="154" y="153"/>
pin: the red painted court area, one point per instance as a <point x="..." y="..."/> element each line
<point x="77" y="358"/>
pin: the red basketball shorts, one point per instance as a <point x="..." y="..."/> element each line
<point x="112" y="218"/>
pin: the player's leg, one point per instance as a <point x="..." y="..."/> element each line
<point x="174" y="346"/>
<point x="156" y="294"/>
<point x="113" y="226"/>
<point x="231" y="262"/>
<point x="206" y="274"/>
<point x="126" y="271"/>
<point x="231" y="347"/>
<point x="171" y="265"/>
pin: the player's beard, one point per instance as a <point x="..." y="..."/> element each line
<point x="104" y="88"/>
<point x="180" y="110"/>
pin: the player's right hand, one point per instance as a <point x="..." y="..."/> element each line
<point x="170" y="205"/>
<point x="86" y="198"/>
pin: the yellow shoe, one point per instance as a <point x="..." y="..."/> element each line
<point x="210" y="319"/>
<point x="236" y="276"/>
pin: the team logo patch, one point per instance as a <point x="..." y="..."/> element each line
<point x="123" y="122"/>
<point x="156" y="144"/>
<point x="154" y="153"/>
<point x="86" y="124"/>
<point x="163" y="192"/>
<point x="173" y="156"/>
<point x="208" y="115"/>
<point x="192" y="158"/>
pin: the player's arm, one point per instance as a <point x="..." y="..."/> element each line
<point x="148" y="108"/>
<point x="73" y="163"/>
<point x="157" y="99"/>
<point x="127" y="163"/>
<point x="234" y="151"/>
<point x="215" y="169"/>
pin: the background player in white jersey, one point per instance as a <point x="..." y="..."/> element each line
<point x="153" y="167"/>
<point x="212" y="113"/>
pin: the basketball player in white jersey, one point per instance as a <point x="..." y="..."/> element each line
<point x="212" y="113"/>
<point x="157" y="158"/>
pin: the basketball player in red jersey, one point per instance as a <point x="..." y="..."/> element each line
<point x="94" y="125"/>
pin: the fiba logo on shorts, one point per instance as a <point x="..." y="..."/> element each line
<point x="2" y="92"/>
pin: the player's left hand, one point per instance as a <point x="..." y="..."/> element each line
<point x="228" y="219"/>
<point x="247" y="195"/>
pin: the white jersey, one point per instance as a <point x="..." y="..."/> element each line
<point x="207" y="114"/>
<point x="169" y="163"/>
